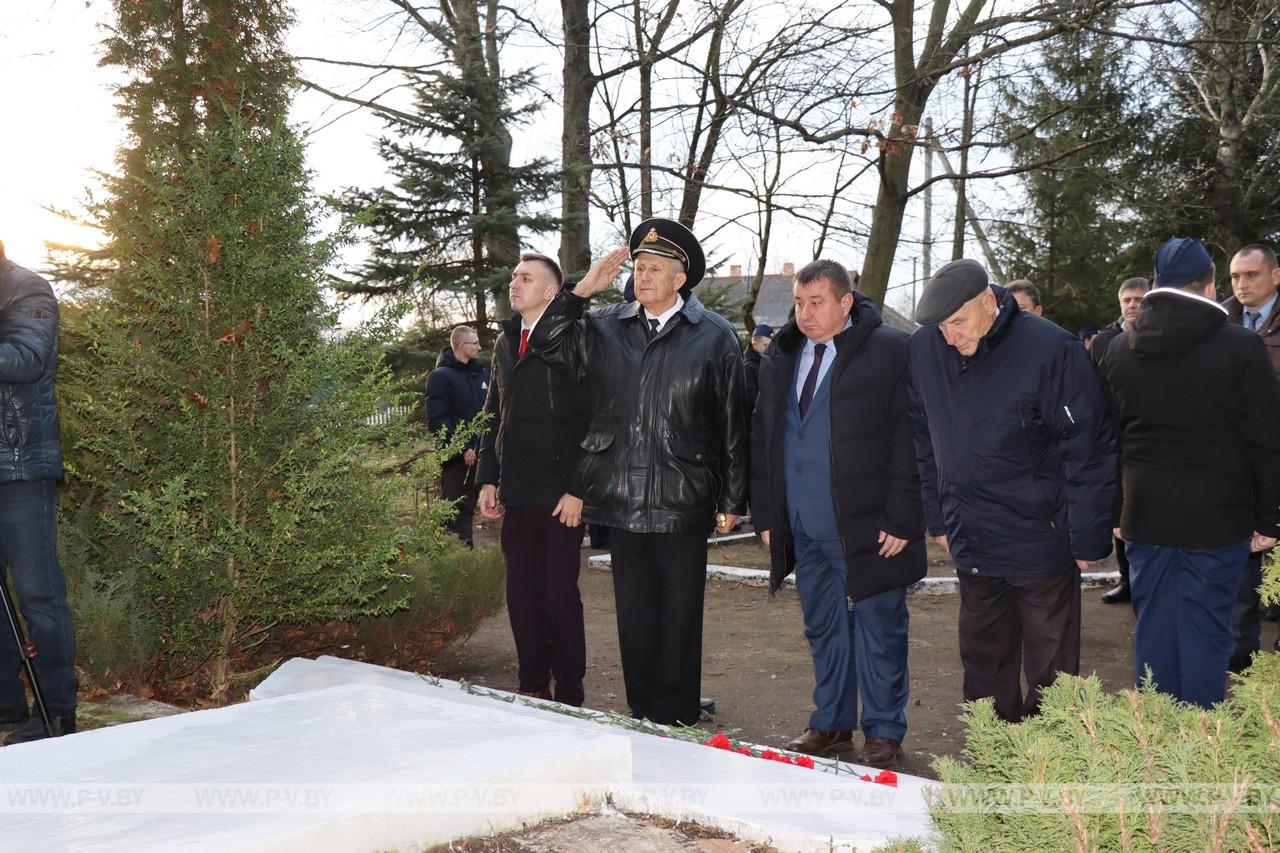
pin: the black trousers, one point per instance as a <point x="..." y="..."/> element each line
<point x="659" y="580"/>
<point x="543" y="601"/>
<point x="458" y="483"/>
<point x="1122" y="561"/>
<point x="1010" y="626"/>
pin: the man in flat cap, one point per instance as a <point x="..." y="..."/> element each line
<point x="666" y="452"/>
<point x="1018" y="468"/>
<point x="1196" y="406"/>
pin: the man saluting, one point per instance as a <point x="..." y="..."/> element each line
<point x="666" y="452"/>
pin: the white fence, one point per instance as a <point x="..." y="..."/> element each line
<point x="387" y="415"/>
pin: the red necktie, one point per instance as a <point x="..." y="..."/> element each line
<point x="524" y="342"/>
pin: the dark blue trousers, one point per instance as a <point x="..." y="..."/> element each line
<point x="1183" y="599"/>
<point x="1246" y="616"/>
<point x="858" y="649"/>
<point x="28" y="550"/>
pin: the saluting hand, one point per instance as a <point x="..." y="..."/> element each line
<point x="602" y="273"/>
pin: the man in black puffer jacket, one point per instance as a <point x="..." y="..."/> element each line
<point x="1197" y="407"/>
<point x="1018" y="469"/>
<point x="455" y="394"/>
<point x="30" y="466"/>
<point x="836" y="494"/>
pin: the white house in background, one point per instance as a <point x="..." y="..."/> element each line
<point x="773" y="304"/>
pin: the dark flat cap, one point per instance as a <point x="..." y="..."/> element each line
<point x="670" y="239"/>
<point x="1181" y="261"/>
<point x="951" y="287"/>
<point x="763" y="331"/>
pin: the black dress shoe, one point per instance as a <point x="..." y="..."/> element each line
<point x="33" y="729"/>
<point x="1118" y="594"/>
<point x="707" y="706"/>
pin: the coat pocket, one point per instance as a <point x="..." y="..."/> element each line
<point x="597" y="442"/>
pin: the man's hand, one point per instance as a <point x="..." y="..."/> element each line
<point x="488" y="501"/>
<point x="764" y="537"/>
<point x="941" y="542"/>
<point x="1261" y="543"/>
<point x="1115" y="533"/>
<point x="568" y="510"/>
<point x="1085" y="565"/>
<point x="602" y="273"/>
<point x="891" y="546"/>
<point x="725" y="522"/>
<point x="469" y="456"/>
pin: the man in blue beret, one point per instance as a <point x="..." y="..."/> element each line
<point x="1196" y="406"/>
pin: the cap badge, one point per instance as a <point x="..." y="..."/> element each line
<point x="652" y="236"/>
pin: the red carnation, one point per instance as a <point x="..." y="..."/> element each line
<point x="804" y="761"/>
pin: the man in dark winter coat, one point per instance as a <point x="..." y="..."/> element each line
<point x="1130" y="296"/>
<point x="1018" y="468"/>
<point x="30" y="466"/>
<point x="666" y="451"/>
<point x="529" y="459"/>
<point x="1197" y="407"/>
<point x="835" y="493"/>
<point x="760" y="340"/>
<point x="455" y="394"/>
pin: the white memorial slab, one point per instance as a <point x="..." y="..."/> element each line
<point x="351" y="767"/>
<point x="790" y="808"/>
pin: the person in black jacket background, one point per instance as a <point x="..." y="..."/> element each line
<point x="666" y="451"/>
<point x="455" y="394"/>
<point x="529" y="458"/>
<point x="1197" y="406"/>
<point x="835" y="493"/>
<point x="30" y="467"/>
<point x="1018" y="468"/>
<point x="1130" y="297"/>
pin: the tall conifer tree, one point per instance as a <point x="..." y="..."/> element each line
<point x="215" y="415"/>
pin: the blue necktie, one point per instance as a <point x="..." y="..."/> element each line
<point x="1251" y="320"/>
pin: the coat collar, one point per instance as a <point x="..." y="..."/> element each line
<point x="692" y="310"/>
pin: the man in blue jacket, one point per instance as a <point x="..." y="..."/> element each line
<point x="30" y="467"/>
<point x="455" y="394"/>
<point x="1018" y="471"/>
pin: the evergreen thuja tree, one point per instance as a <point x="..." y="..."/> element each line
<point x="1077" y="114"/>
<point x="217" y="417"/>
<point x="451" y="222"/>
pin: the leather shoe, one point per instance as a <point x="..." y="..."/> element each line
<point x="33" y="729"/>
<point x="707" y="706"/>
<point x="1118" y="594"/>
<point x="880" y="752"/>
<point x="544" y="693"/>
<point x="819" y="742"/>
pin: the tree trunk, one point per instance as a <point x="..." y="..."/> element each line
<point x="575" y="140"/>
<point x="891" y="200"/>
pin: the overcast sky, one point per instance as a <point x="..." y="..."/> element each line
<point x="61" y="126"/>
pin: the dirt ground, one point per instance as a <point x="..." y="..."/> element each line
<point x="756" y="662"/>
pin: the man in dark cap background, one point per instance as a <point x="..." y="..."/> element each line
<point x="666" y="452"/>
<point x="760" y="340"/>
<point x="1196" y="405"/>
<point x="1017" y="468"/>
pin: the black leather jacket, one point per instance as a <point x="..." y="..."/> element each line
<point x="667" y="447"/>
<point x="30" y="443"/>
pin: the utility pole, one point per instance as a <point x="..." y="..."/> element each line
<point x="928" y="199"/>
<point x="978" y="231"/>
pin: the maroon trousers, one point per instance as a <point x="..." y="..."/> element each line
<point x="543" y="601"/>
<point x="1008" y="627"/>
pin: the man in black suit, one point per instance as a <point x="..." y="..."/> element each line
<point x="529" y="460"/>
<point x="1196" y="406"/>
